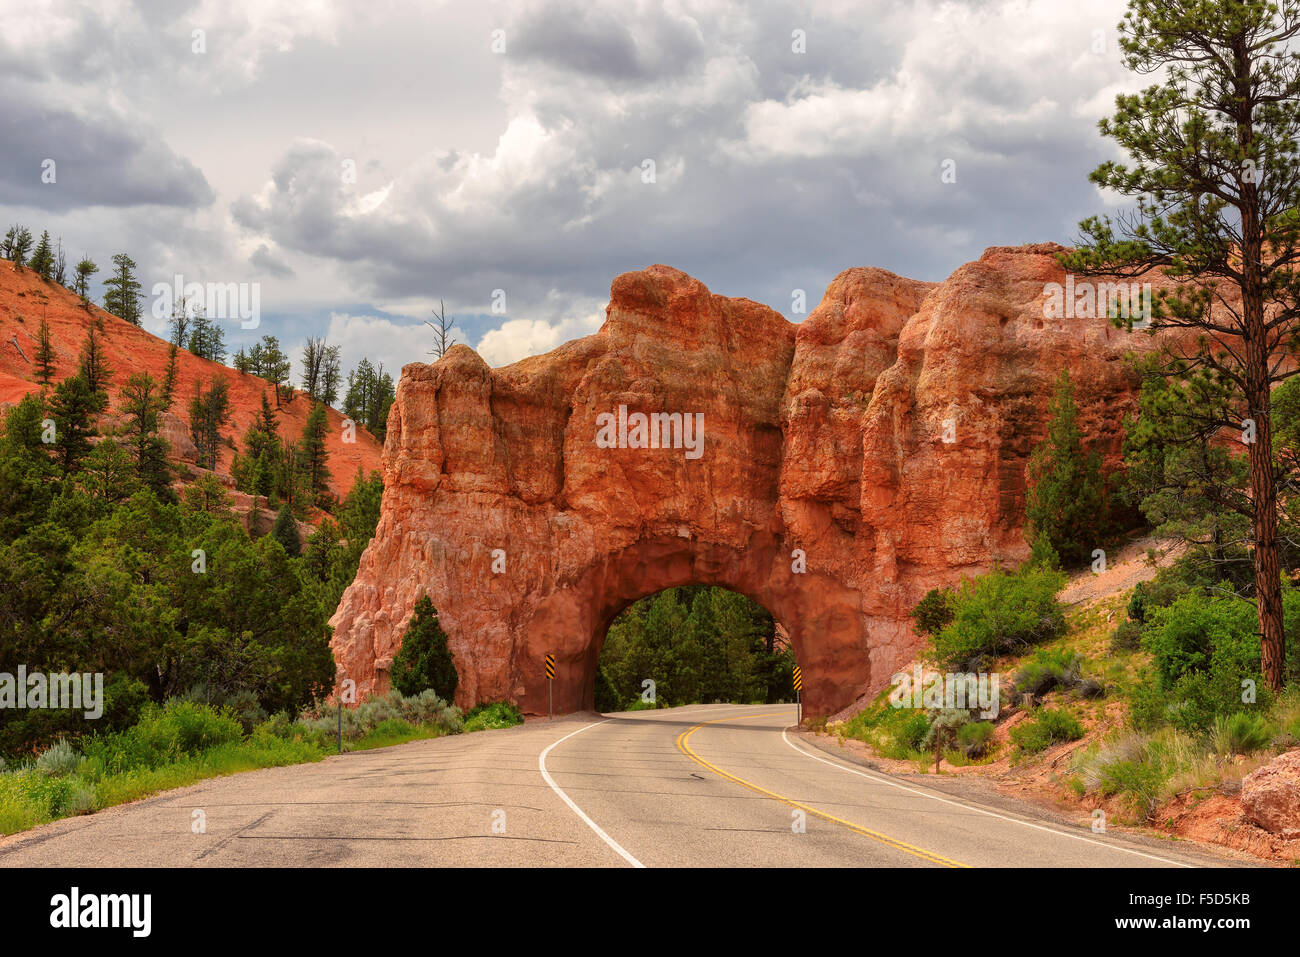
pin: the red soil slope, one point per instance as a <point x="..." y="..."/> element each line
<point x="25" y="298"/>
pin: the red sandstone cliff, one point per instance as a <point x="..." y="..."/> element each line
<point x="823" y="439"/>
<point x="25" y="298"/>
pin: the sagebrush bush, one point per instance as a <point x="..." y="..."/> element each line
<point x="944" y="727"/>
<point x="1145" y="770"/>
<point x="58" y="759"/>
<point x="423" y="710"/>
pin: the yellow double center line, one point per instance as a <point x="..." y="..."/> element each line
<point x="683" y="746"/>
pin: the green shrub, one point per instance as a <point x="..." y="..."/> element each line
<point x="912" y="731"/>
<point x="1240" y="733"/>
<point x="1203" y="649"/>
<point x="1185" y="636"/>
<point x="496" y="714"/>
<point x="975" y="739"/>
<point x="933" y="612"/>
<point x="1047" y="727"/>
<point x="606" y="694"/>
<point x="1127" y="636"/>
<point x="1000" y="612"/>
<point x="164" y="734"/>
<point x="1137" y="604"/>
<point x="1047" y="670"/>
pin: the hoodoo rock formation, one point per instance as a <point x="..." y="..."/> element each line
<point x="849" y="463"/>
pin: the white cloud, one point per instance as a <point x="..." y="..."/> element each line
<point x="519" y="338"/>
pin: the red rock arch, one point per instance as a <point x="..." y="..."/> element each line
<point x="827" y="437"/>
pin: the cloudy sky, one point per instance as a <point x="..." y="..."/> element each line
<point x="361" y="161"/>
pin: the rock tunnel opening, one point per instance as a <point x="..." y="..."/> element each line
<point x="692" y="644"/>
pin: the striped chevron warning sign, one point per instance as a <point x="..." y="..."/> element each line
<point x="550" y="666"/>
<point x="798" y="679"/>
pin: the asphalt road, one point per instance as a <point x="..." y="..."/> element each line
<point x="716" y="785"/>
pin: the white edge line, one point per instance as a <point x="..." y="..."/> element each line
<point x="881" y="779"/>
<point x="541" y="766"/>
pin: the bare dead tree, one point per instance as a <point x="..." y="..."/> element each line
<point x="443" y="339"/>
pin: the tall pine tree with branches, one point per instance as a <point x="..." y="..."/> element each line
<point x="1215" y="178"/>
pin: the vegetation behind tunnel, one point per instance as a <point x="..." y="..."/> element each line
<point x="697" y="644"/>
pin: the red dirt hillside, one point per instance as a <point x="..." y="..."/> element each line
<point x="25" y="298"/>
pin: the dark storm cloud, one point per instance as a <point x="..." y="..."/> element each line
<point x="604" y="42"/>
<point x="266" y="262"/>
<point x="99" y="160"/>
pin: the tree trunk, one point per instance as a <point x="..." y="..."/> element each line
<point x="1268" y="585"/>
<point x="1263" y="490"/>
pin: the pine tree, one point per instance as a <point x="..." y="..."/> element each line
<point x="313" y="366"/>
<point x="285" y="531"/>
<point x="207" y="338"/>
<point x="179" y="323"/>
<point x="275" y="365"/>
<point x="106" y="473"/>
<point x="92" y="365"/>
<point x="142" y="405"/>
<point x="424" y="661"/>
<point x="1066" y="504"/>
<point x="1216" y="182"/>
<point x="1187" y="482"/>
<point x="208" y="413"/>
<point x="122" y="290"/>
<point x="42" y="261"/>
<point x="81" y="285"/>
<point x="168" y="392"/>
<point x="20" y="246"/>
<point x="73" y="407"/>
<point x="45" y="358"/>
<point x="329" y="385"/>
<point x="313" y="454"/>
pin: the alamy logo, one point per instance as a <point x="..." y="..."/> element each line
<point x="935" y="691"/>
<point x="1105" y="300"/>
<point x="103" y="910"/>
<point x="77" y="692"/>
<point x="656" y="430"/>
<point x="220" y="300"/>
